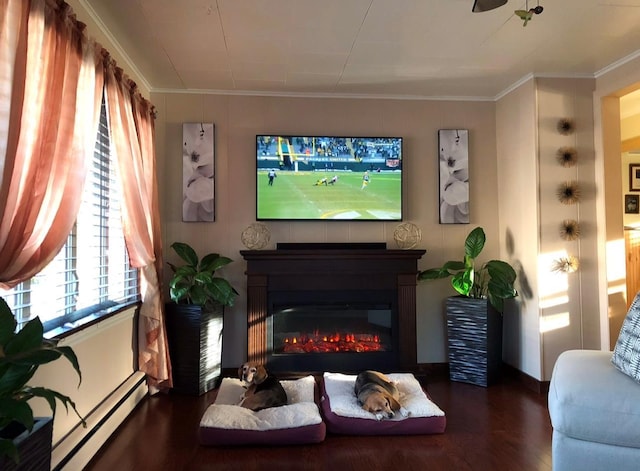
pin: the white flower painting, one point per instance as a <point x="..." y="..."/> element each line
<point x="198" y="166"/>
<point x="454" y="175"/>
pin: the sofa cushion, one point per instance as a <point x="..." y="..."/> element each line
<point x="626" y="354"/>
<point x="589" y="399"/>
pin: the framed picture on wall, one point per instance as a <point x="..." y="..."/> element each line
<point x="453" y="160"/>
<point x="634" y="177"/>
<point x="632" y="204"/>
<point x="198" y="172"/>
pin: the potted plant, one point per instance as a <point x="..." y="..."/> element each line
<point x="195" y="319"/>
<point x="474" y="318"/>
<point x="25" y="442"/>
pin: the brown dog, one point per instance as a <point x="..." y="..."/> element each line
<point x="379" y="395"/>
<point x="263" y="389"/>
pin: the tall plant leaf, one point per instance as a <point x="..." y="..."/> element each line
<point x="494" y="280"/>
<point x="474" y="243"/>
<point x="8" y="323"/>
<point x="52" y="397"/>
<point x="28" y="338"/>
<point x="194" y="283"/>
<point x="186" y="253"/>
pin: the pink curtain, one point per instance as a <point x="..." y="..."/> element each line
<point x="131" y="120"/>
<point x="48" y="125"/>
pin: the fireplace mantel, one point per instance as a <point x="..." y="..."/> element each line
<point x="331" y="269"/>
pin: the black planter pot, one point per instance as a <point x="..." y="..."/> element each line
<point x="474" y="329"/>
<point x="194" y="335"/>
<point x="34" y="448"/>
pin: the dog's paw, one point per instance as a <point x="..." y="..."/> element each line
<point x="404" y="412"/>
<point x="379" y="416"/>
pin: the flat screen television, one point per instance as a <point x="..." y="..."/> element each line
<point x="328" y="178"/>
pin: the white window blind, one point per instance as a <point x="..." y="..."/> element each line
<point x="91" y="273"/>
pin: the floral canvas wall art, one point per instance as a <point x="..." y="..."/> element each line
<point x="198" y="168"/>
<point x="454" y="175"/>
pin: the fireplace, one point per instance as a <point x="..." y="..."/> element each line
<point x="346" y="330"/>
<point x="332" y="309"/>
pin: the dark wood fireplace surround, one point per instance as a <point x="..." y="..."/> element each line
<point x="330" y="270"/>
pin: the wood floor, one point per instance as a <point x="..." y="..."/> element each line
<point x="503" y="427"/>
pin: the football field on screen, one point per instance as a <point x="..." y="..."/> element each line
<point x="295" y="195"/>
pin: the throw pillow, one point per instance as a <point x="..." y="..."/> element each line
<point x="626" y="354"/>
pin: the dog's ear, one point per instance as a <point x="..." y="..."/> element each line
<point x="240" y="368"/>
<point x="395" y="405"/>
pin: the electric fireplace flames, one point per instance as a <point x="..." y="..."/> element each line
<point x="336" y="342"/>
<point x="332" y="328"/>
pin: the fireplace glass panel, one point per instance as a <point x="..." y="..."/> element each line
<point x="331" y="328"/>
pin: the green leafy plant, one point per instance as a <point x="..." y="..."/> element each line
<point x="21" y="354"/>
<point x="195" y="283"/>
<point x="493" y="280"/>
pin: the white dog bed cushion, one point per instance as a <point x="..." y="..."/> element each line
<point x="298" y="422"/>
<point x="344" y="415"/>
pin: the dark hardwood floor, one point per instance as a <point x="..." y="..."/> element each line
<point x="503" y="427"/>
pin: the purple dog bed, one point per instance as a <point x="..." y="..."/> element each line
<point x="343" y="415"/>
<point x="298" y="422"/>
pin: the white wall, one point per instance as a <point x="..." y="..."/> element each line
<point x="107" y="360"/>
<point x="569" y="313"/>
<point x="562" y="310"/>
<point x="519" y="217"/>
<point x="239" y="118"/>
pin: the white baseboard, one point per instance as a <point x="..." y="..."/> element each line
<point x="77" y="448"/>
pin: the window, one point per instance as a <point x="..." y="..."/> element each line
<point x="91" y="273"/>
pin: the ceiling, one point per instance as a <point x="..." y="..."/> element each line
<point x="386" y="48"/>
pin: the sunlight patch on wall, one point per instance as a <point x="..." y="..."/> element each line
<point x="616" y="269"/>
<point x="549" y="302"/>
<point x="553" y="285"/>
<point x="554" y="292"/>
<point x="554" y="322"/>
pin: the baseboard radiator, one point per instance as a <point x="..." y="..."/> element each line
<point x="77" y="448"/>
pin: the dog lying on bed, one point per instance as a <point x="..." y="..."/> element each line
<point x="263" y="389"/>
<point x="379" y="395"/>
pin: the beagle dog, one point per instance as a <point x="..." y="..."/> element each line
<point x="263" y="389"/>
<point x="379" y="395"/>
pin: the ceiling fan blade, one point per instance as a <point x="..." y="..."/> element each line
<point x="486" y="5"/>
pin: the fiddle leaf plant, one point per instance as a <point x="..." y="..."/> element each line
<point x="21" y="354"/>
<point x="494" y="280"/>
<point x="195" y="281"/>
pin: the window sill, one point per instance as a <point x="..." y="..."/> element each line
<point x="71" y="328"/>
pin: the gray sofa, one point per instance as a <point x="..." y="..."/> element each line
<point x="595" y="414"/>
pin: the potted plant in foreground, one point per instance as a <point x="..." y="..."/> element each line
<point x="474" y="318"/>
<point x="195" y="319"/>
<point x="25" y="442"/>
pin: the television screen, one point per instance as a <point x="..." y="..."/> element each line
<point x="328" y="178"/>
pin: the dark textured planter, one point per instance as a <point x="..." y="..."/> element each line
<point x="34" y="448"/>
<point x="195" y="347"/>
<point x="474" y="329"/>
